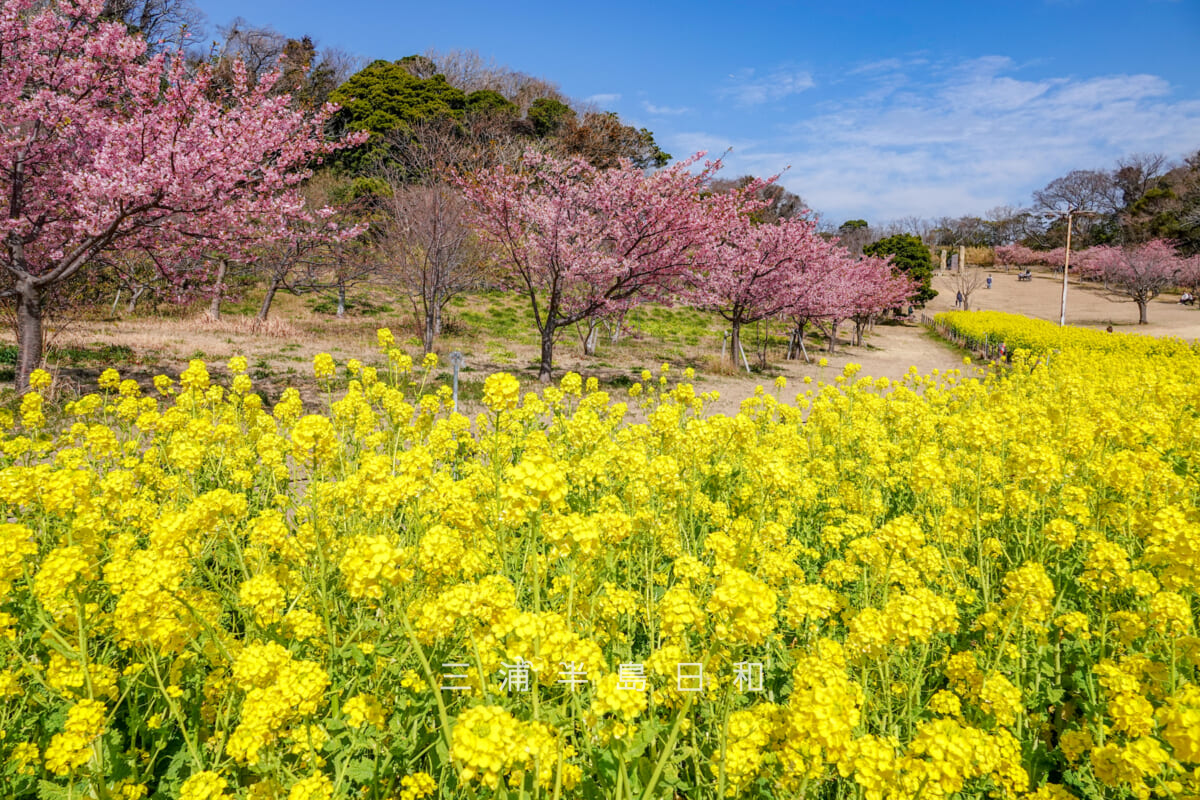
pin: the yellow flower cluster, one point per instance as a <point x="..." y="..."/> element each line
<point x="978" y="583"/>
<point x="490" y="743"/>
<point x="72" y="748"/>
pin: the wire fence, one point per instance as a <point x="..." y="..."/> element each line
<point x="987" y="348"/>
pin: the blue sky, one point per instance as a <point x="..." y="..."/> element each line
<point x="878" y="109"/>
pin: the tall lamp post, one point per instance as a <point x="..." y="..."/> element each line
<point x="1071" y="214"/>
<point x="1062" y="317"/>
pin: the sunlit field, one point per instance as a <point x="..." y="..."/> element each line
<point x="977" y="582"/>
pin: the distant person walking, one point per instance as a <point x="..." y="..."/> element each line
<point x="989" y="281"/>
<point x="958" y="300"/>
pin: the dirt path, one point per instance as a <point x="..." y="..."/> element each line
<point x="888" y="352"/>
<point x="1087" y="304"/>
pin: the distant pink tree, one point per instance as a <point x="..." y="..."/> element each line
<point x="871" y="287"/>
<point x="1017" y="255"/>
<point x="858" y="290"/>
<point x="1189" y="274"/>
<point x="1088" y="263"/>
<point x="1094" y="262"/>
<point x="104" y="149"/>
<point x="581" y="242"/>
<point x="1142" y="272"/>
<point x="757" y="272"/>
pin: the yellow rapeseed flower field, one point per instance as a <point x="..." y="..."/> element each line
<point x="980" y="583"/>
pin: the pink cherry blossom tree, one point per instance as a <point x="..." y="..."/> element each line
<point x="813" y="292"/>
<point x="1189" y="274"/>
<point x="1142" y="272"/>
<point x="104" y="149"/>
<point x="1092" y="263"/>
<point x="1017" y="255"/>
<point x="835" y="287"/>
<point x="581" y="242"/>
<point x="871" y="288"/>
<point x="756" y="271"/>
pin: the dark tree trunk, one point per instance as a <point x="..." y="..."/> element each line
<point x="29" y="333"/>
<point x="833" y="326"/>
<point x="265" y="308"/>
<point x="430" y="331"/>
<point x="214" y="309"/>
<point x="735" y="341"/>
<point x="547" y="365"/>
<point x="1143" y="306"/>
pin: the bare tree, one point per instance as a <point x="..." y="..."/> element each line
<point x="1086" y="190"/>
<point x="922" y="228"/>
<point x="969" y="231"/>
<point x="341" y="64"/>
<point x="855" y="234"/>
<point x="781" y="204"/>
<point x="164" y="24"/>
<point x="1136" y="174"/>
<point x="431" y="253"/>
<point x="429" y="250"/>
<point x="469" y="71"/>
<point x="428" y="149"/>
<point x="967" y="282"/>
<point x="603" y="140"/>
<point x="1008" y="224"/>
<point x="259" y="47"/>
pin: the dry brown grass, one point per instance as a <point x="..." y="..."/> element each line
<point x="981" y="257"/>
<point x="272" y="327"/>
<point x="714" y="364"/>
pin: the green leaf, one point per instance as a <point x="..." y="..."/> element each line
<point x="645" y="735"/>
<point x="361" y="770"/>
<point x="52" y="791"/>
<point x="607" y="767"/>
<point x="443" y="752"/>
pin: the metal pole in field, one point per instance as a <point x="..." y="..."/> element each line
<point x="1062" y="319"/>
<point x="456" y="358"/>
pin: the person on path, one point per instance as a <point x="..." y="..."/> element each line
<point x="989" y="281"/>
<point x="958" y="300"/>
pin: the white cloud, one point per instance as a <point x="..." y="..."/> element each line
<point x="882" y="65"/>
<point x="748" y="89"/>
<point x="714" y="146"/>
<point x="668" y="110"/>
<point x="603" y="99"/>
<point x="961" y="138"/>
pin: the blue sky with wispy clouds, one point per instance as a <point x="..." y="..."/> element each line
<point x="876" y="109"/>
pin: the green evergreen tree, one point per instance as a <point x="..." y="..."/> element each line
<point x="911" y="257"/>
